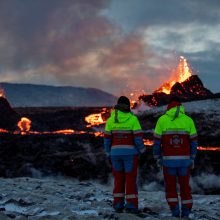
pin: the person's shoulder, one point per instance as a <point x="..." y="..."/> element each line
<point x="162" y="117"/>
<point x="109" y="120"/>
<point x="188" y="118"/>
<point x="134" y="117"/>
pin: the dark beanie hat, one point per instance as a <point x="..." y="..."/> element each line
<point x="123" y="104"/>
<point x="123" y="100"/>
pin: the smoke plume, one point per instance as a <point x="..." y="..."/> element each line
<point x="72" y="43"/>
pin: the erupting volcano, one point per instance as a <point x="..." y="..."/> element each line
<point x="183" y="83"/>
<point x="180" y="74"/>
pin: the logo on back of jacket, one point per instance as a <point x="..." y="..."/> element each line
<point x="176" y="141"/>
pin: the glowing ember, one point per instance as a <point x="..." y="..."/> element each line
<point x="95" y="119"/>
<point x="132" y="99"/>
<point x="3" y="131"/>
<point x="134" y="96"/>
<point x="148" y="142"/>
<point x="98" y="134"/>
<point x="181" y="73"/>
<point x="24" y="125"/>
<point x="2" y="93"/>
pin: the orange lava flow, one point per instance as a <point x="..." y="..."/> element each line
<point x="208" y="148"/>
<point x="24" y="123"/>
<point x="3" y="131"/>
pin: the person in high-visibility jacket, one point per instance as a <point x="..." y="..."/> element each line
<point x="175" y="148"/>
<point x="123" y="142"/>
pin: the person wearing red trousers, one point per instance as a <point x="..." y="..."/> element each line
<point x="123" y="142"/>
<point x="175" y="148"/>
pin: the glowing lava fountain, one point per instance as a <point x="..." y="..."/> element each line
<point x="180" y="74"/>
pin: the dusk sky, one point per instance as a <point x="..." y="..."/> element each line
<point x="118" y="46"/>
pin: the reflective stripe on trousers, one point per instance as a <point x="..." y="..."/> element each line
<point x="118" y="195"/>
<point x="123" y="146"/>
<point x="131" y="196"/>
<point x="125" y="176"/>
<point x="172" y="199"/>
<point x="189" y="201"/>
<point x="176" y="157"/>
<point x="172" y="177"/>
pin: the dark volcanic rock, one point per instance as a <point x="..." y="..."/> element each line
<point x="8" y="117"/>
<point x="189" y="90"/>
<point x="80" y="156"/>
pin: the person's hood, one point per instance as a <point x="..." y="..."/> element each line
<point x="119" y="116"/>
<point x="175" y="112"/>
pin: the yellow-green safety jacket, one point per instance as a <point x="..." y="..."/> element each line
<point x="175" y="138"/>
<point x="123" y="134"/>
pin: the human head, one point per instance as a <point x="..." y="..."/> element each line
<point x="123" y="100"/>
<point x="123" y="104"/>
<point x="174" y="101"/>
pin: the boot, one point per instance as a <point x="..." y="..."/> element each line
<point x="175" y="211"/>
<point x="185" y="212"/>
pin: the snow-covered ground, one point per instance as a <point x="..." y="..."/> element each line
<point x="68" y="199"/>
<point x="202" y="106"/>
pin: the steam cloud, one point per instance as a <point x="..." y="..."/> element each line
<point x="72" y="43"/>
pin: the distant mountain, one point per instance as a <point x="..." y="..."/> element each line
<point x="29" y="95"/>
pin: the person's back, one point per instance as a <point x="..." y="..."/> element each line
<point x="175" y="146"/>
<point x="178" y="131"/>
<point x="123" y="142"/>
<point x="123" y="128"/>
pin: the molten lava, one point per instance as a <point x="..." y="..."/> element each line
<point x="3" y="131"/>
<point x="209" y="148"/>
<point x="95" y="119"/>
<point x="180" y="74"/>
<point x="24" y="125"/>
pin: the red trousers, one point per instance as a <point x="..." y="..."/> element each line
<point x="172" y="176"/>
<point x="124" y="169"/>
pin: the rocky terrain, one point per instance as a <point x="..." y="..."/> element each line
<point x="69" y="199"/>
<point x="60" y="176"/>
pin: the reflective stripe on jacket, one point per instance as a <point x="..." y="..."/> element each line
<point x="175" y="138"/>
<point x="123" y="136"/>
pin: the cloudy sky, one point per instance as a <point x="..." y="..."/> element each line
<point x="118" y="46"/>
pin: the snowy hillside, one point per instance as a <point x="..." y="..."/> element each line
<point x="208" y="106"/>
<point x="68" y="199"/>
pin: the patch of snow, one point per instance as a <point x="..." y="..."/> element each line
<point x="45" y="213"/>
<point x="86" y="212"/>
<point x="14" y="208"/>
<point x="202" y="106"/>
